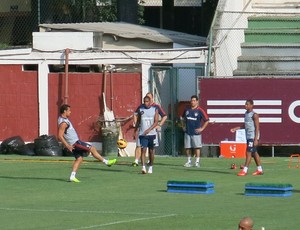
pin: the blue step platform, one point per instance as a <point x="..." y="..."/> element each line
<point x="267" y="189"/>
<point x="193" y="187"/>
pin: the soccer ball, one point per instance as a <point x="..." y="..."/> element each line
<point x="122" y="143"/>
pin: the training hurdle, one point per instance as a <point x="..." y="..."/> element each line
<point x="194" y="187"/>
<point x="267" y="189"/>
<point x="291" y="160"/>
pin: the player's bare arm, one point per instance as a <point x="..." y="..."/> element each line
<point x="200" y="130"/>
<point x="237" y="128"/>
<point x="61" y="130"/>
<point x="256" y="124"/>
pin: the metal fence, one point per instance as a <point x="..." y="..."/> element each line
<point x="172" y="88"/>
<point x="19" y="18"/>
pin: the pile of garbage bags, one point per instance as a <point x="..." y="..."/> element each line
<point x="42" y="146"/>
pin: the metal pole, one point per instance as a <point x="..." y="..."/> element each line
<point x="39" y="12"/>
<point x="67" y="51"/>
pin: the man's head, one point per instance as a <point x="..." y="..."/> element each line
<point x="194" y="101"/>
<point x="65" y="110"/>
<point x="246" y="223"/>
<point x="147" y="101"/>
<point x="249" y="104"/>
<point x="150" y="95"/>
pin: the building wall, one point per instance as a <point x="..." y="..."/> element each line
<point x="19" y="107"/>
<point x="18" y="103"/>
<point x="123" y="95"/>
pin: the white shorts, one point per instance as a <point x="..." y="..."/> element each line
<point x="192" y="141"/>
<point x="156" y="143"/>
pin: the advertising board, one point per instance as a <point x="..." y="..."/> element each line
<point x="276" y="100"/>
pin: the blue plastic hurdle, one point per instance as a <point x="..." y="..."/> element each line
<point x="194" y="187"/>
<point x="267" y="189"/>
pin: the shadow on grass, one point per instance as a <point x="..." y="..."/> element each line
<point x="202" y="170"/>
<point x="33" y="178"/>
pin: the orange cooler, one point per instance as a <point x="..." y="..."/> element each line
<point x="233" y="149"/>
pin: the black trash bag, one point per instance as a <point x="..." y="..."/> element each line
<point x="28" y="149"/>
<point x="12" y="145"/>
<point x="47" y="146"/>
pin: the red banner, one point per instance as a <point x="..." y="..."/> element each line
<point x="277" y="101"/>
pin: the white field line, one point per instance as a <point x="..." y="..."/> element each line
<point x="77" y="211"/>
<point x="99" y="212"/>
<point x="122" y="222"/>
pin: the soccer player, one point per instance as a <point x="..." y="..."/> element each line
<point x="163" y="116"/>
<point x="69" y="138"/>
<point x="147" y="122"/>
<point x="251" y="126"/>
<point x="193" y="128"/>
<point x="246" y="223"/>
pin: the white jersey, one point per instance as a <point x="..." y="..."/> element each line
<point x="249" y="125"/>
<point x="147" y="116"/>
<point x="70" y="133"/>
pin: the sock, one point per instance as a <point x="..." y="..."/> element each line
<point x="197" y="159"/>
<point x="245" y="169"/>
<point x="136" y="161"/>
<point x="105" y="161"/>
<point x="150" y="168"/>
<point x="259" y="168"/>
<point x="190" y="159"/>
<point x="73" y="175"/>
<point x="144" y="168"/>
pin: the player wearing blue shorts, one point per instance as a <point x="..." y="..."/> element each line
<point x="193" y="129"/>
<point x="147" y="122"/>
<point x="251" y="126"/>
<point x="163" y="116"/>
<point x="69" y="138"/>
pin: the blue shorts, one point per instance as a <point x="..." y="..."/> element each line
<point x="250" y="146"/>
<point x="81" y="149"/>
<point x="147" y="141"/>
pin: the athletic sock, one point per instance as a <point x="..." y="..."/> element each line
<point x="197" y="159"/>
<point x="245" y="169"/>
<point x="105" y="161"/>
<point x="190" y="159"/>
<point x="136" y="161"/>
<point x="73" y="175"/>
<point x="144" y="168"/>
<point x="259" y="168"/>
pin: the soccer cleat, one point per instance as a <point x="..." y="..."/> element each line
<point x="257" y="173"/>
<point x="74" y="180"/>
<point x="134" y="164"/>
<point x="111" y="162"/>
<point x="144" y="171"/>
<point x="197" y="164"/>
<point x="188" y="164"/>
<point x="242" y="173"/>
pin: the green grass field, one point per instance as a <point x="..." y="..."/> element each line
<point x="36" y="194"/>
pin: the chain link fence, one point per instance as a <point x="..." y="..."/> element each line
<point x="172" y="88"/>
<point x="19" y="18"/>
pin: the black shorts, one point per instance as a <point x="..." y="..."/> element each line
<point x="250" y="146"/>
<point x="81" y="149"/>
